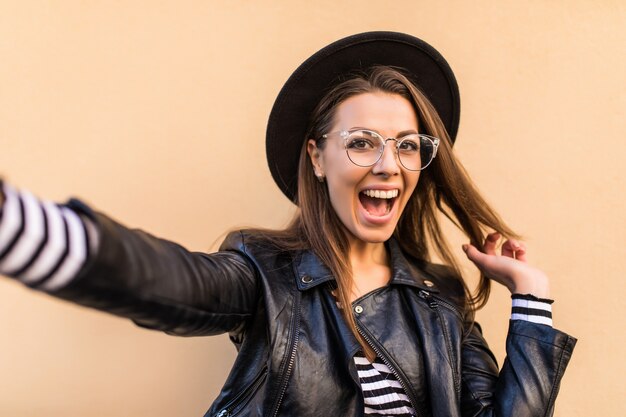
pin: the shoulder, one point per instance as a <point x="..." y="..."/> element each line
<point x="265" y="249"/>
<point x="234" y="241"/>
<point x="254" y="241"/>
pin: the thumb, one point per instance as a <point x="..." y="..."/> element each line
<point x="483" y="261"/>
<point x="473" y="254"/>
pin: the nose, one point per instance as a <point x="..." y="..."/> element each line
<point x="388" y="164"/>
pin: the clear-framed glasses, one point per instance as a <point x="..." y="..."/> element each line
<point x="365" y="148"/>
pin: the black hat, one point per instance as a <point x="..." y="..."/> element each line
<point x="307" y="85"/>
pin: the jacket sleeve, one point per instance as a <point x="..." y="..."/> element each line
<point x="529" y="380"/>
<point x="160" y="285"/>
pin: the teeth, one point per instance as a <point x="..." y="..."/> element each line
<point x="381" y="193"/>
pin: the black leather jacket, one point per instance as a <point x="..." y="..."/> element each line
<point x="294" y="349"/>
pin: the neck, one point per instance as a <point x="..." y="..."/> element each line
<point x="370" y="267"/>
<point x="363" y="254"/>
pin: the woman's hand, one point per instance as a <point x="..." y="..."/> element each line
<point x="509" y="268"/>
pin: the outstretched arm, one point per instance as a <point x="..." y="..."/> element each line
<point x="74" y="253"/>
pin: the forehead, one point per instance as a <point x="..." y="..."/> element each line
<point x="384" y="112"/>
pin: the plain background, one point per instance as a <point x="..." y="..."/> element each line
<point x="155" y="112"/>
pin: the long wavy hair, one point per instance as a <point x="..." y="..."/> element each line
<point x="444" y="187"/>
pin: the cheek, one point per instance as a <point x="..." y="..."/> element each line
<point x="410" y="182"/>
<point x="340" y="172"/>
<point x="415" y="179"/>
<point x="342" y="184"/>
<point x="341" y="189"/>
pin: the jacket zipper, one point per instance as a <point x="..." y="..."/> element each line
<point x="228" y="410"/>
<point x="434" y="303"/>
<point x="391" y="368"/>
<point x="292" y="357"/>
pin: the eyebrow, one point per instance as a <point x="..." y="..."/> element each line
<point x="399" y="135"/>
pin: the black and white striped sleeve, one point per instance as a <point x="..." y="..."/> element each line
<point x="42" y="244"/>
<point x="530" y="308"/>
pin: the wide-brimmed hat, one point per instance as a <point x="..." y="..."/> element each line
<point x="290" y="116"/>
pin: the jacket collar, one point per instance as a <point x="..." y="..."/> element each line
<point x="311" y="272"/>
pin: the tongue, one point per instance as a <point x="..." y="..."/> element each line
<point x="374" y="206"/>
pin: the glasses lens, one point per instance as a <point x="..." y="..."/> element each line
<point x="364" y="147"/>
<point x="416" y="152"/>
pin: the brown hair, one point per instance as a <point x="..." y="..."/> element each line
<point x="443" y="187"/>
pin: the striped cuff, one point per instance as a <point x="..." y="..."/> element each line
<point x="42" y="244"/>
<point x="530" y="308"/>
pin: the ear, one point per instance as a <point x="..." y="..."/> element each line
<point x="316" y="157"/>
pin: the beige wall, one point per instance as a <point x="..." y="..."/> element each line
<point x="155" y="113"/>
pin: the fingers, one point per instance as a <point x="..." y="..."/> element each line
<point x="514" y="249"/>
<point x="491" y="242"/>
<point x="511" y="248"/>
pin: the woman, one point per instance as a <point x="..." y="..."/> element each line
<point x="342" y="313"/>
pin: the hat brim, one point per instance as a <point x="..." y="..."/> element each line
<point x="307" y="85"/>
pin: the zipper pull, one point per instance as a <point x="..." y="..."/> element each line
<point x="432" y="303"/>
<point x="223" y="413"/>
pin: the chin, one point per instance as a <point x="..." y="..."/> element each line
<point x="372" y="236"/>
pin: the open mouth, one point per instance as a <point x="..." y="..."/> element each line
<point x="378" y="202"/>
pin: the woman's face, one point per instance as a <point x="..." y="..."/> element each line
<point x="366" y="217"/>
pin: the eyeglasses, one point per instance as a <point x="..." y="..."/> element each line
<point x="365" y="148"/>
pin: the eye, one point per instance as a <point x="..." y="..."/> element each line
<point x="360" y="143"/>
<point x="409" y="145"/>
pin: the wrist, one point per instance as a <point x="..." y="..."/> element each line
<point x="538" y="286"/>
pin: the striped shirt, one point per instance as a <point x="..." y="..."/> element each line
<point x="42" y="244"/>
<point x="530" y="308"/>
<point x="382" y="393"/>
